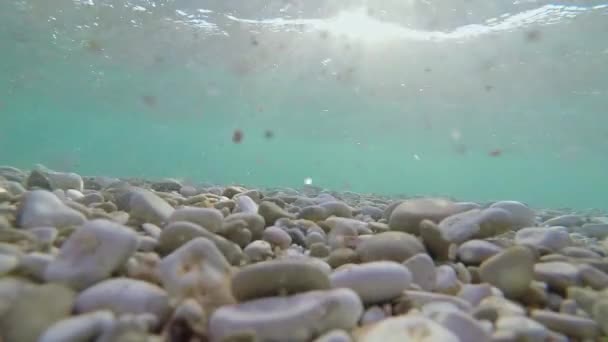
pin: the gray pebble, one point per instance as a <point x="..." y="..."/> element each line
<point x="65" y="181"/>
<point x="522" y="215"/>
<point x="524" y="328"/>
<point x="258" y="250"/>
<point x="407" y="215"/>
<point x="372" y="315"/>
<point x="569" y="325"/>
<point x="475" y="293"/>
<point x="41" y="208"/>
<point x="149" y="207"/>
<point x="34" y="264"/>
<point x="564" y="221"/>
<point x="336" y="335"/>
<point x="544" y="239"/>
<point x="558" y="275"/>
<point x="407" y="328"/>
<point x="423" y="272"/>
<point x="208" y="218"/>
<point x="593" y="277"/>
<point x="446" y="281"/>
<point x="80" y="328"/>
<point x="92" y="253"/>
<point x="474" y="252"/>
<point x="462" y="325"/>
<point x="277" y="236"/>
<point x="512" y="271"/>
<point x="392" y="246"/>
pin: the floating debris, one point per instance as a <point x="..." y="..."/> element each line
<point x="237" y="136"/>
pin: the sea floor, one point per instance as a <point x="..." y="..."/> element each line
<point x="106" y="259"/>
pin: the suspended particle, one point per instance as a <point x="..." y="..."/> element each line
<point x="237" y="136"/>
<point x="417" y="157"/>
<point x="308" y="181"/>
<point x="495" y="153"/>
<point x="149" y="100"/>
<point x="268" y="134"/>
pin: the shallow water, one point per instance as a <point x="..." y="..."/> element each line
<point x="390" y="97"/>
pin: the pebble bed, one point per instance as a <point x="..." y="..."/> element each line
<point x="104" y="259"/>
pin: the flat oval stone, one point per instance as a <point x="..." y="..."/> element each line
<point x="475" y="293"/>
<point x="406" y="328"/>
<point x="422" y="268"/>
<point x="549" y="239"/>
<point x="294" y="318"/>
<point x="564" y="221"/>
<point x="83" y="327"/>
<point x="511" y="271"/>
<point x="41" y="208"/>
<point x="594" y="230"/>
<point x="569" y="325"/>
<point x="521" y="214"/>
<point x="524" y="328"/>
<point x="244" y="204"/>
<point x="335" y="335"/>
<point x="462" y="325"/>
<point x="271" y="212"/>
<point x="197" y="269"/>
<point x="149" y="207"/>
<point x="447" y="281"/>
<point x="558" y="275"/>
<point x="125" y="296"/>
<point x="337" y="208"/>
<point x="277" y="236"/>
<point x="420" y="298"/>
<point x="374" y="282"/>
<point x="474" y="252"/>
<point x="278" y="277"/>
<point x="408" y="214"/>
<point x="208" y="218"/>
<point x="65" y="181"/>
<point x="392" y="246"/>
<point x="92" y="253"/>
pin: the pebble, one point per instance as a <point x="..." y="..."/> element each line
<point x="600" y="314"/>
<point x="166" y="185"/>
<point x="258" y="250"/>
<point x="593" y="277"/>
<point x="558" y="275"/>
<point x="392" y="246"/>
<point x="594" y="230"/>
<point x="337" y="208"/>
<point x="335" y="335"/>
<point x="208" y="218"/>
<point x="422" y="268"/>
<point x="8" y="263"/>
<point x="503" y="306"/>
<point x="85" y="327"/>
<point x="579" y="252"/>
<point x="420" y="298"/>
<point x="41" y="208"/>
<point x="474" y="252"/>
<point x="277" y="236"/>
<point x="299" y="317"/>
<point x="549" y="239"/>
<point x="342" y="256"/>
<point x="254" y="223"/>
<point x="523" y="327"/>
<point x="152" y="230"/>
<point x="124" y="296"/>
<point x="149" y="207"/>
<point x="511" y="271"/>
<point x="319" y="250"/>
<point x="35" y="264"/>
<point x="446" y="280"/>
<point x="569" y="325"/>
<point x="462" y="325"/>
<point x="65" y="181"/>
<point x="372" y="315"/>
<point x="313" y="237"/>
<point x="406" y="328"/>
<point x="271" y="212"/>
<point x="437" y="245"/>
<point x="177" y="233"/>
<point x="92" y="253"/>
<point x="407" y="215"/>
<point x="196" y="269"/>
<point x="475" y="293"/>
<point x="564" y="221"/>
<point x="521" y="215"/>
<point x="278" y="277"/>
<point x="374" y="282"/>
<point x="37" y="180"/>
<point x="36" y="309"/>
<point x="245" y="204"/>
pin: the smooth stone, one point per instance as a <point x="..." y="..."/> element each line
<point x="433" y="308"/>
<point x="34" y="264"/>
<point x="446" y="280"/>
<point x="503" y="306"/>
<point x="420" y="298"/>
<point x="8" y="263"/>
<point x="37" y="179"/>
<point x="434" y="241"/>
<point x="314" y="237"/>
<point x="474" y="252"/>
<point x="258" y="250"/>
<point x="74" y="194"/>
<point x="254" y="223"/>
<point x="579" y="252"/>
<point x="197" y="269"/>
<point x="593" y="277"/>
<point x="422" y="268"/>
<point x="208" y="218"/>
<point x="335" y="335"/>
<point x="524" y="328"/>
<point x="313" y="213"/>
<point x="594" y="230"/>
<point x="34" y="311"/>
<point x="372" y="315"/>
<point x="374" y="282"/>
<point x="564" y="221"/>
<point x="92" y="253"/>
<point x="41" y="208"/>
<point x="585" y="298"/>
<point x="405" y="328"/>
<point x="125" y="296"/>
<point x="569" y="325"/>
<point x="277" y="236"/>
<point x="462" y="325"/>
<point x="295" y="318"/>
<point x="166" y="185"/>
<point x="342" y="256"/>
<point x="271" y="212"/>
<point x="521" y="214"/>
<point x="558" y="275"/>
<point x="278" y="277"/>
<point x="146" y="243"/>
<point x="512" y="271"/>
<point x="319" y="250"/>
<point x="342" y="234"/>
<point x="245" y="204"/>
<point x="407" y="215"/>
<point x="392" y="246"/>
<point x="65" y="181"/>
<point x="176" y="234"/>
<point x="45" y="236"/>
<point x="475" y="293"/>
<point x="85" y="327"/>
<point x="568" y="306"/>
<point x="371" y="211"/>
<point x="152" y="230"/>
<point x="15" y="188"/>
<point x="599" y="313"/>
<point x="337" y="208"/>
<point x="149" y="207"/>
<point x="549" y="239"/>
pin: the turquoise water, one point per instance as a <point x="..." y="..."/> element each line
<point x="383" y="97"/>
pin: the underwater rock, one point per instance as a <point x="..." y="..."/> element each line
<point x="244" y="204"/>
<point x="337" y="208"/>
<point x="271" y="212"/>
<point x="549" y="239"/>
<point x="277" y="237"/>
<point x="258" y="250"/>
<point x="558" y="275"/>
<point x="569" y="325"/>
<point x="166" y="185"/>
<point x="446" y="280"/>
<point x="83" y="327"/>
<point x="149" y="207"/>
<point x="65" y="181"/>
<point x="474" y="252"/>
<point x="521" y="215"/>
<point x="405" y="328"/>
<point x="475" y="293"/>
<point x="524" y="328"/>
<point x="422" y="268"/>
<point x="92" y="253"/>
<point x="408" y="215"/>
<point x="392" y="246"/>
<point x="511" y="270"/>
<point x="299" y="317"/>
<point x="208" y="218"/>
<point x="41" y="208"/>
<point x="254" y="223"/>
<point x="462" y="325"/>
<point x="564" y="221"/>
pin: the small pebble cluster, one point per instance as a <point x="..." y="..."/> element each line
<point x="103" y="259"/>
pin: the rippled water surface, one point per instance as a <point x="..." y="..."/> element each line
<point x="478" y="100"/>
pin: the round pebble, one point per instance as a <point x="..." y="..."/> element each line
<point x="511" y="271"/>
<point x="41" y="208"/>
<point x="392" y="246"/>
